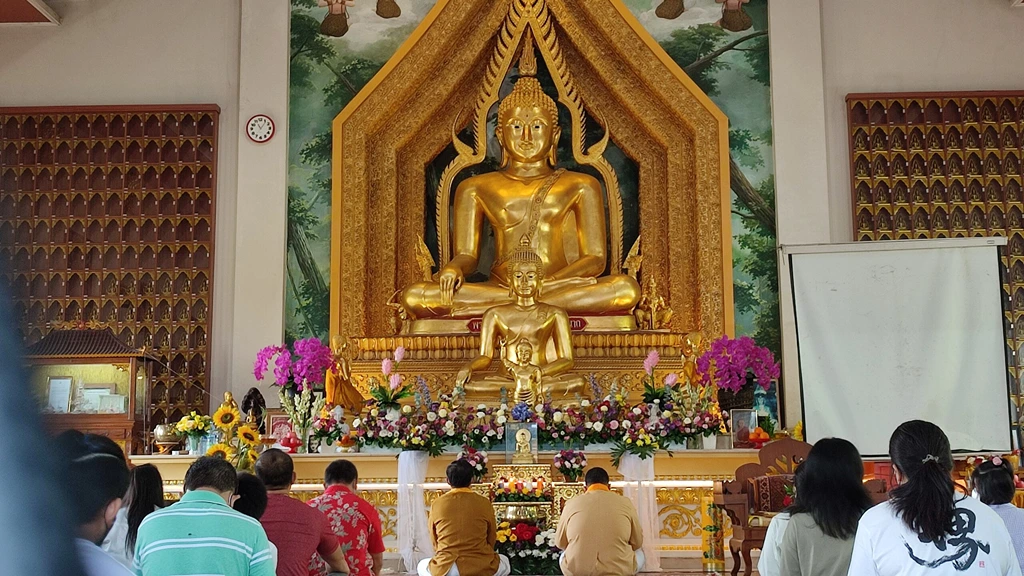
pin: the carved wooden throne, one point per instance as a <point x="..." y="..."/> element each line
<point x="749" y="498"/>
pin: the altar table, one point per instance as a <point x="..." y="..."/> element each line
<point x="681" y="481"/>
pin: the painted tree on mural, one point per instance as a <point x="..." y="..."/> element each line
<point x="699" y="52"/>
<point x="310" y="52"/>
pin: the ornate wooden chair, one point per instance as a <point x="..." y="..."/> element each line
<point x="756" y="494"/>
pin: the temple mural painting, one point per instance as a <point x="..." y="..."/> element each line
<point x="338" y="45"/>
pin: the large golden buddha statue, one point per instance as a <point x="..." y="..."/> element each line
<point x="528" y="197"/>
<point x="533" y="339"/>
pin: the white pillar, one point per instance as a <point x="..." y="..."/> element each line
<point x="801" y="175"/>
<point x="261" y="216"/>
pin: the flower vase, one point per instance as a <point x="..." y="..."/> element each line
<point x="711" y="442"/>
<point x="570" y="478"/>
<point x="192" y="443"/>
<point x="303" y="434"/>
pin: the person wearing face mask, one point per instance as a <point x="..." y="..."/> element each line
<point x="100" y="482"/>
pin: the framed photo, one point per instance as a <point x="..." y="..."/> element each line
<point x="521" y="443"/>
<point x="58" y="394"/>
<point x="277" y="423"/>
<point x="91" y="399"/>
<point x="743" y="423"/>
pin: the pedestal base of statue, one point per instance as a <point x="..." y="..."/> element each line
<point x="610" y="357"/>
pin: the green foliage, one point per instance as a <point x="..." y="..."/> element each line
<point x="688" y="45"/>
<point x="742" y="143"/>
<point x="756" y="56"/>
<point x="299" y="213"/>
<point x="309" y="47"/>
<point x="315" y="306"/>
<point x="761" y="295"/>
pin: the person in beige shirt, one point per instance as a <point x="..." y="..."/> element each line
<point x="599" y="532"/>
<point x="463" y="531"/>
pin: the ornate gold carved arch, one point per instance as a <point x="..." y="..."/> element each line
<point x="403" y="119"/>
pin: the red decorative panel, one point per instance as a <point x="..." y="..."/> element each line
<point x="107" y="215"/>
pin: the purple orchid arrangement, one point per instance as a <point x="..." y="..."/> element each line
<point x="731" y="362"/>
<point x="306" y="364"/>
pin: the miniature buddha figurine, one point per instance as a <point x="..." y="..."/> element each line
<point x="525" y="373"/>
<point x="529" y="197"/>
<point x="523" y="453"/>
<point x="543" y="326"/>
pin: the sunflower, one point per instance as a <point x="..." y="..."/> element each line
<point x="249" y="435"/>
<point x="226" y="417"/>
<point x="225" y="451"/>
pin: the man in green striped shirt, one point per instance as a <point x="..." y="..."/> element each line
<point x="202" y="534"/>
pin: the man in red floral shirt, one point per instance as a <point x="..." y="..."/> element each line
<point x="354" y="521"/>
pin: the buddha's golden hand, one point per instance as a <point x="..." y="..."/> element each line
<point x="450" y="280"/>
<point x="462" y="378"/>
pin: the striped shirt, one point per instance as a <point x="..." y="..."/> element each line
<point x="1013" y="517"/>
<point x="201" y="534"/>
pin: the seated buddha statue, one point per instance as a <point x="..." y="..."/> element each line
<point x="524" y="326"/>
<point x="528" y="196"/>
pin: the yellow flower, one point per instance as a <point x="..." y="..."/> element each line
<point x="629" y="440"/>
<point x="504" y="525"/>
<point x="501" y="538"/>
<point x="512" y="538"/>
<point x="249" y="435"/>
<point x="226" y="417"/>
<point x="225" y="451"/>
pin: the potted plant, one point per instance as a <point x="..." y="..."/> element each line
<point x="735" y="365"/>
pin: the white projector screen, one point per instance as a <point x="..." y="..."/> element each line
<point x="895" y="331"/>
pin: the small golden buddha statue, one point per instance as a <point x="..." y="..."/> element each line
<point x="525" y="374"/>
<point x="524" y="452"/>
<point x="544" y="327"/>
<point x="529" y="196"/>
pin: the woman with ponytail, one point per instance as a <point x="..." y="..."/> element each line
<point x="926" y="528"/>
<point x="994" y="486"/>
<point x="145" y="494"/>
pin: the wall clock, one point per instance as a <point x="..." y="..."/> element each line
<point x="260" y="128"/>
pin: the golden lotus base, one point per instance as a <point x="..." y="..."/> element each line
<point x="610" y="357"/>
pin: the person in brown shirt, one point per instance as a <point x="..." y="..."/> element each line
<point x="599" y="532"/>
<point x="463" y="531"/>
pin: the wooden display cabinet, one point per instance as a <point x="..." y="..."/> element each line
<point x="88" y="380"/>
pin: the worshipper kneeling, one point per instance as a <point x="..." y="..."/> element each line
<point x="145" y="496"/>
<point x="926" y="528"/>
<point x="599" y="531"/>
<point x="463" y="531"/>
<point x="994" y="486"/>
<point x="251" y="500"/>
<point x="201" y="533"/>
<point x="354" y="521"/>
<point x="100" y="478"/>
<point x="298" y="531"/>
